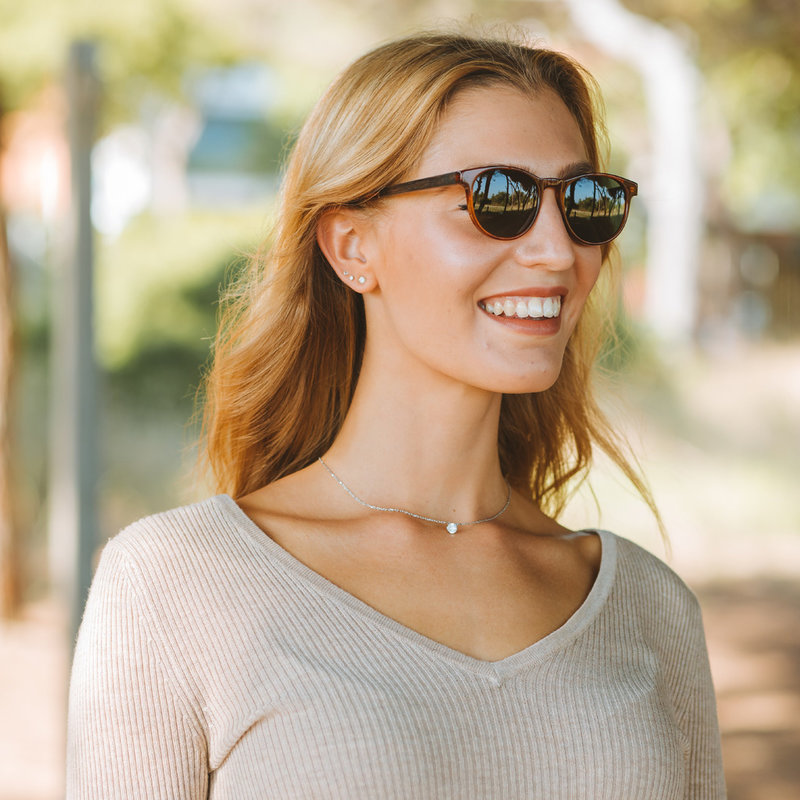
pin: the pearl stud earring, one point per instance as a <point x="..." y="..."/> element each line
<point x="362" y="279"/>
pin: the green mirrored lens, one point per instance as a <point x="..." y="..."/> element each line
<point x="594" y="208"/>
<point x="504" y="201"/>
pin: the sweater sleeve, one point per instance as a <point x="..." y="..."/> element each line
<point x="672" y="625"/>
<point x="696" y="711"/>
<point x="132" y="732"/>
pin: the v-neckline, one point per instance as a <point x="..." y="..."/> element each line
<point x="497" y="671"/>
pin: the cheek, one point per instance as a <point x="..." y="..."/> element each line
<point x="424" y="268"/>
<point x="588" y="270"/>
<point x="413" y="299"/>
<point x="427" y="302"/>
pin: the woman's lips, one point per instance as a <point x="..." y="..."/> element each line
<point x="530" y="310"/>
<point x="521" y="307"/>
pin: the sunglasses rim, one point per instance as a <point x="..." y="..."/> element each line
<point x="467" y="178"/>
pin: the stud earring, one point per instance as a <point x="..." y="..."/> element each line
<point x="362" y="279"/>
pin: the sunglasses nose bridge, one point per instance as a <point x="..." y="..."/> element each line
<point x="557" y="185"/>
<point x="547" y="241"/>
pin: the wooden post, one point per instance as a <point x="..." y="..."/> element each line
<point x="10" y="551"/>
<point x="73" y="415"/>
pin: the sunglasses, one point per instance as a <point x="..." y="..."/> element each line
<point x="504" y="202"/>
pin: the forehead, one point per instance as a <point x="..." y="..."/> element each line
<point x="490" y="125"/>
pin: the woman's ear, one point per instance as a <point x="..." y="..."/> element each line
<point x="342" y="236"/>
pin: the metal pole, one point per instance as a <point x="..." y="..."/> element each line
<point x="73" y="417"/>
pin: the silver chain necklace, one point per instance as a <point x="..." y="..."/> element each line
<point x="451" y="527"/>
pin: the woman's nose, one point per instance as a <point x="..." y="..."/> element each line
<point x="547" y="243"/>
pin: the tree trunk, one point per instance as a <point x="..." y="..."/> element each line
<point x="10" y="550"/>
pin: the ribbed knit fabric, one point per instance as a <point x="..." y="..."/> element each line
<point x="213" y="664"/>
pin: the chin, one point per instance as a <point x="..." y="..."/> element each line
<point x="530" y="382"/>
<point x="531" y="388"/>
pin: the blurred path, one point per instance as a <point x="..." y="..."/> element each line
<point x="753" y="630"/>
<point x="33" y="675"/>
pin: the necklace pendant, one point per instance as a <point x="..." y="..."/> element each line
<point x="450" y="527"/>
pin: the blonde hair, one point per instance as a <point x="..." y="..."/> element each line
<point x="288" y="352"/>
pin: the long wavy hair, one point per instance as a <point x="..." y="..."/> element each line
<point x="288" y="352"/>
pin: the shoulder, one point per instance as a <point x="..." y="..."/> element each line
<point x="171" y="600"/>
<point x="661" y="616"/>
<point x="209" y="529"/>
<point x="187" y="556"/>
<point x="177" y="525"/>
<point x="644" y="582"/>
<point x="191" y="577"/>
<point x="656" y="608"/>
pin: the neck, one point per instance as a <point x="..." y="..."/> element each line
<point x="432" y="451"/>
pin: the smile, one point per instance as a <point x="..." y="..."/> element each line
<point x="523" y="307"/>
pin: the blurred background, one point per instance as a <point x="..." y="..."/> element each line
<point x="141" y="145"/>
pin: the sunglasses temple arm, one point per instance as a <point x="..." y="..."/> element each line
<point x="447" y="179"/>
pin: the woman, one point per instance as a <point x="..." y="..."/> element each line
<point x="383" y="605"/>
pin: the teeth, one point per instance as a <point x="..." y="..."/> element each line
<point x="535" y="307"/>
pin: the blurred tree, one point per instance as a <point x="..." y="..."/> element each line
<point x="749" y="55"/>
<point x="10" y="579"/>
<point x="146" y="44"/>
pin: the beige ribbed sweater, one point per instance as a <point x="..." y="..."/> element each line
<point x="211" y="663"/>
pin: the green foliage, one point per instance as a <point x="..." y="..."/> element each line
<point x="748" y="53"/>
<point x="142" y="45"/>
<point x="157" y="291"/>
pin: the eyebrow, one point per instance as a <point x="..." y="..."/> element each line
<point x="569" y="171"/>
<point x="576" y="168"/>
